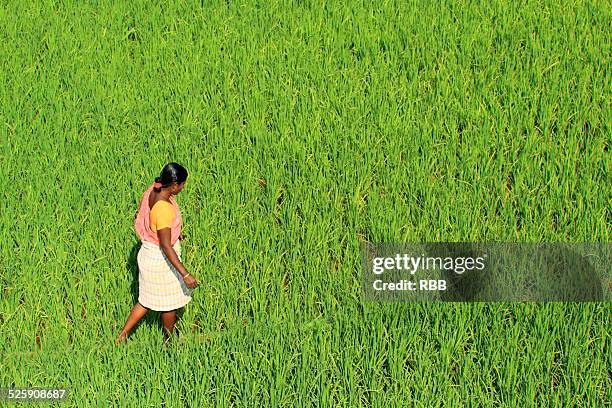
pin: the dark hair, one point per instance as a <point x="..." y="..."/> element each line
<point x="172" y="172"/>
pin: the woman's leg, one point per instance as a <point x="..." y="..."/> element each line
<point x="169" y="320"/>
<point x="137" y="313"/>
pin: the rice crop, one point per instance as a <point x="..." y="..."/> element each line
<point x="307" y="128"/>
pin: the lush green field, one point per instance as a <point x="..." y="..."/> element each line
<point x="306" y="129"/>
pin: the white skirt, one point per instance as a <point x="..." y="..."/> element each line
<point x="160" y="286"/>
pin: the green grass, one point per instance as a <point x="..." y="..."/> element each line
<point x="395" y="122"/>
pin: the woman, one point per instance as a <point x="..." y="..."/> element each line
<point x="164" y="284"/>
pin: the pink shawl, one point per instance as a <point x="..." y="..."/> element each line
<point x="142" y="224"/>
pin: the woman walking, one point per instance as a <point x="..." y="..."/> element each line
<point x="164" y="284"/>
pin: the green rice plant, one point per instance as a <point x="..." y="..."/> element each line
<point x="307" y="128"/>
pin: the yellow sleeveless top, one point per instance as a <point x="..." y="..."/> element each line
<point x="162" y="215"/>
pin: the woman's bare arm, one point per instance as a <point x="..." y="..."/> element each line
<point x="164" y="243"/>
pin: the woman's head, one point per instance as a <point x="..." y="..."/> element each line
<point x="172" y="176"/>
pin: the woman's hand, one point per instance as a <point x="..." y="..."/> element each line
<point x="191" y="282"/>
